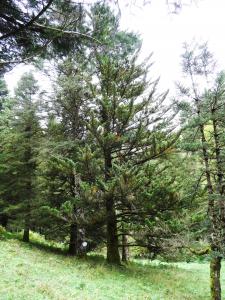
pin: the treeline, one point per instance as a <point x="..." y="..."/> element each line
<point x="106" y="159"/>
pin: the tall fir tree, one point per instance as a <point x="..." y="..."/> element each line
<point x="125" y="113"/>
<point x="20" y="147"/>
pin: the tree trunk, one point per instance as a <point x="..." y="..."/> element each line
<point x="113" y="256"/>
<point x="73" y="246"/>
<point x="220" y="174"/>
<point x="29" y="191"/>
<point x="4" y="220"/>
<point x="26" y="232"/>
<point x="125" y="249"/>
<point x="215" y="266"/>
<point x="215" y="263"/>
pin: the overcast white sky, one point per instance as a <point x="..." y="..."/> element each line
<point x="164" y="34"/>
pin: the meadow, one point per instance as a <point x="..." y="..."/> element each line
<point x="37" y="272"/>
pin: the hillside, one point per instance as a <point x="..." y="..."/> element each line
<point x="27" y="272"/>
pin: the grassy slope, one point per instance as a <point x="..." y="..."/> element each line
<point x="29" y="273"/>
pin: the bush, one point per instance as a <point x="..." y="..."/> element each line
<point x="2" y="231"/>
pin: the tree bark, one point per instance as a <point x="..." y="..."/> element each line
<point x="73" y="245"/>
<point x="215" y="263"/>
<point x="125" y="249"/>
<point x="29" y="172"/>
<point x="113" y="256"/>
<point x="215" y="266"/>
<point x="4" y="220"/>
<point x="220" y="174"/>
<point x="26" y="232"/>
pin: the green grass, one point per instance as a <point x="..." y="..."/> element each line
<point x="30" y="273"/>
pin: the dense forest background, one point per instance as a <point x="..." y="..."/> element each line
<point x="107" y="161"/>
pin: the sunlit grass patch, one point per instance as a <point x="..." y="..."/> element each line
<point x="27" y="272"/>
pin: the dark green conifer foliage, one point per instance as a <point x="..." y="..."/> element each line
<point x="63" y="154"/>
<point x="20" y="147"/>
<point x="32" y="29"/>
<point x="3" y="122"/>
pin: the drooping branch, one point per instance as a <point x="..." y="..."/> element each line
<point x="29" y="23"/>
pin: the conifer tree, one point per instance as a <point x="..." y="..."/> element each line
<point x="204" y="114"/>
<point x="20" y="146"/>
<point x="64" y="167"/>
<point x="124" y="113"/>
<point x="4" y="99"/>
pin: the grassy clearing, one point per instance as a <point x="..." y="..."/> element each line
<point x="27" y="272"/>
